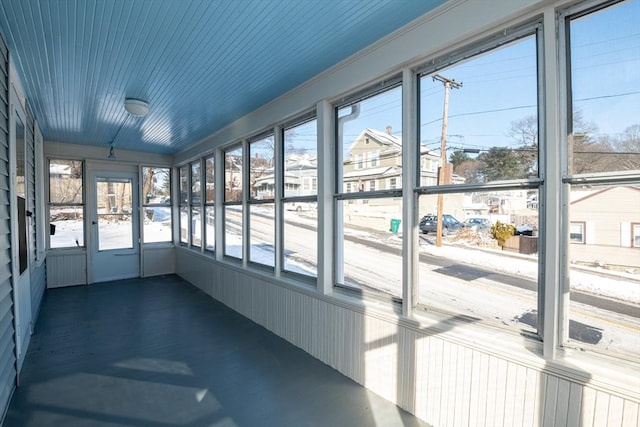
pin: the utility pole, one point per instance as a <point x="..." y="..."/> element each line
<point x="444" y="174"/>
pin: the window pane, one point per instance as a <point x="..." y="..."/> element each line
<point x="576" y="232"/>
<point x="184" y="184"/>
<point x="65" y="182"/>
<point x="605" y="85"/>
<point x="156" y="188"/>
<point x="376" y="128"/>
<point x="209" y="176"/>
<point x="300" y="159"/>
<point x="156" y="185"/>
<point x="233" y="231"/>
<point x="195" y="183"/>
<point x="262" y="234"/>
<point x="210" y="228"/>
<point x="20" y="165"/>
<point x="184" y="224"/>
<point x="196" y="227"/>
<point x="476" y="272"/>
<point x="604" y="271"/>
<point x="372" y="257"/>
<point x="157" y="224"/>
<point x="68" y="226"/>
<point x="492" y="124"/>
<point x="301" y="240"/>
<point x="233" y="175"/>
<point x="261" y="172"/>
<point x="115" y="226"/>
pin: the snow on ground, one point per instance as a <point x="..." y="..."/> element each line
<point x="621" y="286"/>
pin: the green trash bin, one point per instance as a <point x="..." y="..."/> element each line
<point x="395" y="225"/>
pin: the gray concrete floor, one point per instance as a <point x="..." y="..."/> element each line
<point x="159" y="352"/>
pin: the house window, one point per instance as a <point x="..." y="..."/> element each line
<point x="363" y="206"/>
<point x="576" y="232"/>
<point x="299" y="225"/>
<point x="156" y="204"/>
<point x="66" y="203"/>
<point x="601" y="150"/>
<point x="512" y="157"/>
<point x="209" y="204"/>
<point x="183" y="203"/>
<point x="635" y="235"/>
<point x="195" y="203"/>
<point x="260" y="163"/>
<point x="233" y="212"/>
<point x="392" y="183"/>
<point x="374" y="159"/>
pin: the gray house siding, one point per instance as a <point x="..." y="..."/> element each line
<point x="7" y="343"/>
<point x="37" y="272"/>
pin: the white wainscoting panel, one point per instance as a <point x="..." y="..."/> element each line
<point x="66" y="269"/>
<point x="157" y="261"/>
<point x="442" y="381"/>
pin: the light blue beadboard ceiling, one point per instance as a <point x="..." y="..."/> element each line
<point x="200" y="64"/>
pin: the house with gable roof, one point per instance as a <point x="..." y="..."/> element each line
<point x="604" y="227"/>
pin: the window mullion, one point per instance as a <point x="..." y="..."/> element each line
<point x="551" y="251"/>
<point x="326" y="186"/>
<point x="409" y="199"/>
<point x="277" y="206"/>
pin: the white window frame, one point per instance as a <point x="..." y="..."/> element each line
<point x="635" y="234"/>
<point x="374" y="159"/>
<point x="583" y="229"/>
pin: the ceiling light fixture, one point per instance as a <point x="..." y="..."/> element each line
<point x="136" y="107"/>
<point x="112" y="154"/>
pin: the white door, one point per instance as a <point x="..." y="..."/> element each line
<point x="114" y="227"/>
<point x="21" y="215"/>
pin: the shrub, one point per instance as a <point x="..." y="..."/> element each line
<point x="501" y="232"/>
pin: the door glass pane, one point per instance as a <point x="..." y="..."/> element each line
<point x="20" y="176"/>
<point x="114" y="207"/>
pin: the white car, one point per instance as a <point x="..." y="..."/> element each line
<point x="300" y="206"/>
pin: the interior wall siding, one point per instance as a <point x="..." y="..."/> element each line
<point x="38" y="278"/>
<point x="37" y="273"/>
<point x="158" y="261"/>
<point x="444" y="383"/>
<point x="66" y="268"/>
<point x="7" y="332"/>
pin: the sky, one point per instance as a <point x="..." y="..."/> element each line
<point x="500" y="87"/>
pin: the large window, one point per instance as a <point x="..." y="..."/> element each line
<point x="604" y="178"/>
<point x="261" y="200"/>
<point x="479" y="128"/>
<point x="233" y="182"/>
<point x="209" y="204"/>
<point x="300" y="230"/>
<point x="66" y="203"/>
<point x="156" y="204"/>
<point x="195" y="204"/>
<point x="183" y="205"/>
<point x="368" y="245"/>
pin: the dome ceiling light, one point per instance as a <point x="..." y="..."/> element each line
<point x="136" y="107"/>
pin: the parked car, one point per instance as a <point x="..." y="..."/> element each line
<point x="429" y="223"/>
<point x="300" y="206"/>
<point x="478" y="224"/>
